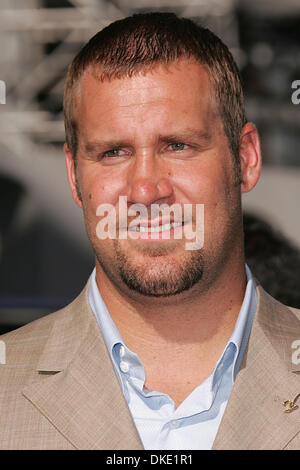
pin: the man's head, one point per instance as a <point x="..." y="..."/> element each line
<point x="142" y="41"/>
<point x="155" y="113"/>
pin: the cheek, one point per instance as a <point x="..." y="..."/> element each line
<point x="211" y="185"/>
<point x="101" y="187"/>
<point x="199" y="184"/>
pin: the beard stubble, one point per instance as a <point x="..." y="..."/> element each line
<point x="160" y="275"/>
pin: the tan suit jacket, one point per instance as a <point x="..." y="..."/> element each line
<point x="58" y="389"/>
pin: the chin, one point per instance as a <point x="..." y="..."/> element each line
<point x="161" y="275"/>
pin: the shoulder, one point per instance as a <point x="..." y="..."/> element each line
<point x="273" y="311"/>
<point x="28" y="341"/>
<point x="58" y="332"/>
<point x="295" y="311"/>
<point x="279" y="323"/>
<point x="32" y="356"/>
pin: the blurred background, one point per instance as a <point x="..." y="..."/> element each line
<point x="45" y="258"/>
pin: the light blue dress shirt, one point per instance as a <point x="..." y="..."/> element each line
<point x="194" y="424"/>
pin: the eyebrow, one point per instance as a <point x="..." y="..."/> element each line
<point x="204" y="137"/>
<point x="91" y="147"/>
<point x="187" y="135"/>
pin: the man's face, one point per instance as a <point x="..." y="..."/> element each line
<point x="157" y="138"/>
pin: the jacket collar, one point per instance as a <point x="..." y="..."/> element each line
<point x="77" y="390"/>
<point x="255" y="417"/>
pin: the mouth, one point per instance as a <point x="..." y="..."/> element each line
<point x="155" y="230"/>
<point x="152" y="228"/>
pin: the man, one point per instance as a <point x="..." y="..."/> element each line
<point x="169" y="346"/>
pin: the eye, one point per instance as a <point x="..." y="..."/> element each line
<point x="112" y="153"/>
<point x="177" y="146"/>
<point x="114" y="156"/>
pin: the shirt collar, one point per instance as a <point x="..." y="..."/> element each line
<point x="243" y="324"/>
<point x="240" y="325"/>
<point x="233" y="352"/>
<point x="109" y="330"/>
<point x="112" y="337"/>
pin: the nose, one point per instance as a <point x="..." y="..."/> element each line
<point x="148" y="182"/>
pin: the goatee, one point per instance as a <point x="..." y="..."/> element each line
<point x="159" y="277"/>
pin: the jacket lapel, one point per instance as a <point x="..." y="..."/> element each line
<point x="255" y="417"/>
<point x="77" y="390"/>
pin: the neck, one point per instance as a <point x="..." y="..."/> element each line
<point x="186" y="332"/>
<point x="183" y="319"/>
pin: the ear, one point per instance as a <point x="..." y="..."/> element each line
<point x="250" y="157"/>
<point x="71" y="172"/>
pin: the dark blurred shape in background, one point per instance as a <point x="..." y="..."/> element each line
<point x="273" y="260"/>
<point x="41" y="270"/>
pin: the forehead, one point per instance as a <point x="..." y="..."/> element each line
<point x="185" y="74"/>
<point x="182" y="88"/>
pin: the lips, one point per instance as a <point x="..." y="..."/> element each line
<point x="152" y="228"/>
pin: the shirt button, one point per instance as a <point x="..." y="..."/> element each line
<point x="122" y="351"/>
<point x="124" y="366"/>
